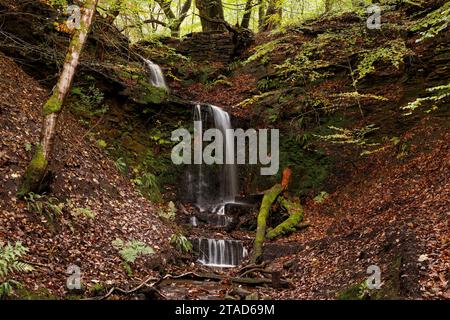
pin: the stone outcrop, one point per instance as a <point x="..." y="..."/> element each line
<point x="206" y="46"/>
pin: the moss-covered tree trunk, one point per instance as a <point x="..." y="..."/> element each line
<point x="37" y="168"/>
<point x="273" y="16"/>
<point x="289" y="225"/>
<point x="269" y="197"/>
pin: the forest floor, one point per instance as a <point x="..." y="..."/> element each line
<point x="394" y="214"/>
<point x="86" y="178"/>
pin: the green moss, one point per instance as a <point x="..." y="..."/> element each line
<point x="354" y="292"/>
<point x="102" y="144"/>
<point x="269" y="197"/>
<point x="296" y="214"/>
<point x="97" y="289"/>
<point x="390" y="290"/>
<point x="34" y="173"/>
<point x="145" y="93"/>
<point x="152" y="94"/>
<point x="52" y="105"/>
<point x="40" y="294"/>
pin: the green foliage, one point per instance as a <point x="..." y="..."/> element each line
<point x="262" y="51"/>
<point x="268" y="84"/>
<point x="88" y="102"/>
<point x="44" y="205"/>
<point x="102" y="143"/>
<point x="257" y="98"/>
<point x="433" y="24"/>
<point x="158" y="136"/>
<point x="121" y="165"/>
<point x="321" y="197"/>
<point x="346" y="136"/>
<point x="129" y="251"/>
<point x="307" y="64"/>
<point x="394" y="52"/>
<point x="57" y="3"/>
<point x="355" y="292"/>
<point x="28" y="147"/>
<point x="169" y="213"/>
<point x="149" y="186"/>
<point x="357" y="95"/>
<point x="180" y="242"/>
<point x="9" y="264"/>
<point x="438" y="94"/>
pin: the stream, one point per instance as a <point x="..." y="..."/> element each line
<point x="212" y="189"/>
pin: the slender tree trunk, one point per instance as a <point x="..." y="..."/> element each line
<point x="261" y="13"/>
<point x="174" y="23"/>
<point x="37" y="168"/>
<point x="273" y="16"/>
<point x="247" y="14"/>
<point x="328" y="6"/>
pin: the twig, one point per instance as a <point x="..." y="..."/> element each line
<point x="36" y="264"/>
<point x="255" y="270"/>
<point x="111" y="291"/>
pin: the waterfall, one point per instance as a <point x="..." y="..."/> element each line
<point x="219" y="186"/>
<point x="220" y="253"/>
<point x="156" y="75"/>
<point x="229" y="186"/>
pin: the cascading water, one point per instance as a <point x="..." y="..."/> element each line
<point x="220" y="253"/>
<point x="156" y="75"/>
<point x="229" y="186"/>
<point x="210" y="188"/>
<point x="218" y="186"/>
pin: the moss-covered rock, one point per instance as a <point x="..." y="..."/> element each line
<point x="144" y="93"/>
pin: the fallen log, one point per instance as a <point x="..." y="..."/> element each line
<point x="269" y="198"/>
<point x="289" y="225"/>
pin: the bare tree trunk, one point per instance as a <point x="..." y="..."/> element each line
<point x="210" y="11"/>
<point x="37" y="168"/>
<point x="174" y="23"/>
<point x="247" y="14"/>
<point x="261" y="14"/>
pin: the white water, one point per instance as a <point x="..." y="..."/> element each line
<point x="156" y="76"/>
<point x="228" y="187"/>
<point x="221" y="253"/>
<point x="194" y="221"/>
